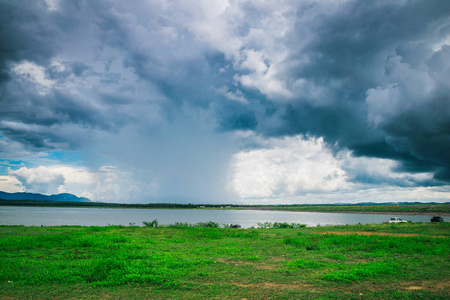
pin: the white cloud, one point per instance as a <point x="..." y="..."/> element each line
<point x="251" y="35"/>
<point x="380" y="194"/>
<point x="286" y="167"/>
<point x="376" y="194"/>
<point x="52" y="5"/>
<point x="214" y="23"/>
<point x="254" y="61"/>
<point x="444" y="42"/>
<point x="53" y="179"/>
<point x="108" y="184"/>
<point x="10" y="184"/>
<point x="267" y="83"/>
<point x="237" y="96"/>
<point x="365" y="172"/>
<point x="34" y="73"/>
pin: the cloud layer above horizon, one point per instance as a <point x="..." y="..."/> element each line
<point x="226" y="101"/>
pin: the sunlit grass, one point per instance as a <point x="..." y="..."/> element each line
<point x="186" y="262"/>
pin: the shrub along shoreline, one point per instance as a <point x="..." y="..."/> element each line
<point x="191" y="261"/>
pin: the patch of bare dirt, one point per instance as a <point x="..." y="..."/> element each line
<point x="279" y="258"/>
<point x="265" y="267"/>
<point x="272" y="285"/>
<point x="369" y="233"/>
<point x="442" y="285"/>
<point x="414" y="288"/>
<point x="221" y="260"/>
<point x="257" y="265"/>
<point x="432" y="286"/>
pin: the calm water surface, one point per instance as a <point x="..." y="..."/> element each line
<point x="48" y="216"/>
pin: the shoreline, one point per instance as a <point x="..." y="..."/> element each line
<point x="431" y="214"/>
<point x="407" y="213"/>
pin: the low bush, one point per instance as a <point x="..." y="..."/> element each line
<point x="280" y="225"/>
<point x="209" y="224"/>
<point x="153" y="223"/>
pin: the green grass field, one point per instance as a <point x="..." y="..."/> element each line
<point x="383" y="261"/>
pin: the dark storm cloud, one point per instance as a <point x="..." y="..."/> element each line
<point x="350" y="50"/>
<point x="369" y="76"/>
<point x="43" y="122"/>
<point x="25" y="33"/>
<point x="45" y="115"/>
<point x="354" y="42"/>
<point x="235" y="116"/>
<point x="424" y="133"/>
<point x="187" y="72"/>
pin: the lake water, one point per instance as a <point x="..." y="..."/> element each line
<point x="51" y="216"/>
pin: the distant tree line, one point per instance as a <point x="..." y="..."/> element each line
<point x="112" y="205"/>
<point x="412" y="207"/>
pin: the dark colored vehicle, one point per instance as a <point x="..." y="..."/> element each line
<point x="437" y="219"/>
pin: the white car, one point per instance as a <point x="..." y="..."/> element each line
<point x="395" y="220"/>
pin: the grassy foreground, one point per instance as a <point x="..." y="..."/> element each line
<point x="382" y="261"/>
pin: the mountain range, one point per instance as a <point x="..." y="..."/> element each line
<point x="39" y="197"/>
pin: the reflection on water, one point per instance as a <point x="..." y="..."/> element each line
<point x="48" y="216"/>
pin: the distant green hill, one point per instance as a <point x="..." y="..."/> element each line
<point x="64" y="197"/>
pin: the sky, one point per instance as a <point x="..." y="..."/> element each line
<point x="226" y="101"/>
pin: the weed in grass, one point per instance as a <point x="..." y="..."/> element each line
<point x="364" y="271"/>
<point x="309" y="243"/>
<point x="336" y="256"/>
<point x="306" y="264"/>
<point x="252" y="258"/>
